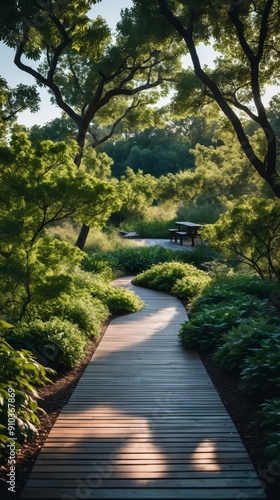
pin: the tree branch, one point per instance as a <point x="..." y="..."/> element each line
<point x="266" y="169"/>
<point x="48" y="82"/>
<point x="97" y="142"/>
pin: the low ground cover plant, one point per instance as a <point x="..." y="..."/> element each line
<point x="269" y="418"/>
<point x="261" y="370"/>
<point x="237" y="343"/>
<point x="207" y="326"/>
<point x="20" y="374"/>
<point x="229" y="287"/>
<point x="225" y="309"/>
<point x="237" y="317"/>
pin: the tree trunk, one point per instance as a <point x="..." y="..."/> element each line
<point x="82" y="238"/>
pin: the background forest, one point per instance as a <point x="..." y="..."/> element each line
<point x="118" y="160"/>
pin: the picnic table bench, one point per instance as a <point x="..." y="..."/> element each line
<point x="184" y="230"/>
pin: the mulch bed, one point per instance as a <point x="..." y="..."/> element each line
<point x="242" y="410"/>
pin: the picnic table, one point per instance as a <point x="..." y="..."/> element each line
<point x="185" y="229"/>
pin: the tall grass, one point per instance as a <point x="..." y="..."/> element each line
<point x="135" y="260"/>
<point x="97" y="241"/>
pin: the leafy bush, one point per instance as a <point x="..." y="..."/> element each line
<point x="229" y="288"/>
<point x="203" y="213"/>
<point x="237" y="344"/>
<point x="191" y="285"/>
<point x="205" y="329"/>
<point x="201" y="255"/>
<point x="91" y="301"/>
<point x="120" y="301"/>
<point x="153" y="228"/>
<point x="85" y="311"/>
<point x="116" y="300"/>
<point x="269" y="418"/>
<point x="218" y="269"/>
<point x="55" y="342"/>
<point x="207" y="326"/>
<point x="182" y="280"/>
<point x="19" y="374"/>
<point x="98" y="264"/>
<point x="261" y="372"/>
<point x="162" y="276"/>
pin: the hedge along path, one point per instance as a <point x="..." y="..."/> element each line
<point x="144" y="421"/>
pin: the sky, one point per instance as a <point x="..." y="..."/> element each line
<point x="110" y="10"/>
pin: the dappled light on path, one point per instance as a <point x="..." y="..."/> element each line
<point x="144" y="421"/>
<point x="206" y="448"/>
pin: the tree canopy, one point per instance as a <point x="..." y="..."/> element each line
<point x="246" y="35"/>
<point x="90" y="74"/>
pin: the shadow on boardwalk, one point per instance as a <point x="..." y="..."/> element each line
<point x="144" y="421"/>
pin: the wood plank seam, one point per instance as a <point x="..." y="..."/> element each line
<point x="144" y="421"/>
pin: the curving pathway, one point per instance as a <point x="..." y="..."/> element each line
<point x="144" y="422"/>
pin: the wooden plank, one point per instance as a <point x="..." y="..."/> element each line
<point x="144" y="421"/>
<point x="147" y="493"/>
<point x="204" y="482"/>
<point x="125" y="471"/>
<point x="126" y="468"/>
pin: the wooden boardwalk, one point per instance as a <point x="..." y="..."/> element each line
<point x="144" y="421"/>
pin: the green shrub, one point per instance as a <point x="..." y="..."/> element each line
<point x="205" y="329"/>
<point x="116" y="300"/>
<point x="90" y="303"/>
<point x="120" y="300"/>
<point x="56" y="343"/>
<point x="269" y="418"/>
<point x="261" y="372"/>
<point x="85" y="311"/>
<point x="200" y="255"/>
<point x="162" y="276"/>
<point x="191" y="285"/>
<point x="207" y="326"/>
<point x="76" y="305"/>
<point x="172" y="277"/>
<point x="153" y="228"/>
<point x="237" y="344"/>
<point x="229" y="288"/>
<point x="218" y="269"/>
<point x="250" y="283"/>
<point x="20" y="373"/>
<point x="98" y="264"/>
<point x="200" y="211"/>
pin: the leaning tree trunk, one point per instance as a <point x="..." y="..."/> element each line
<point x="82" y="238"/>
